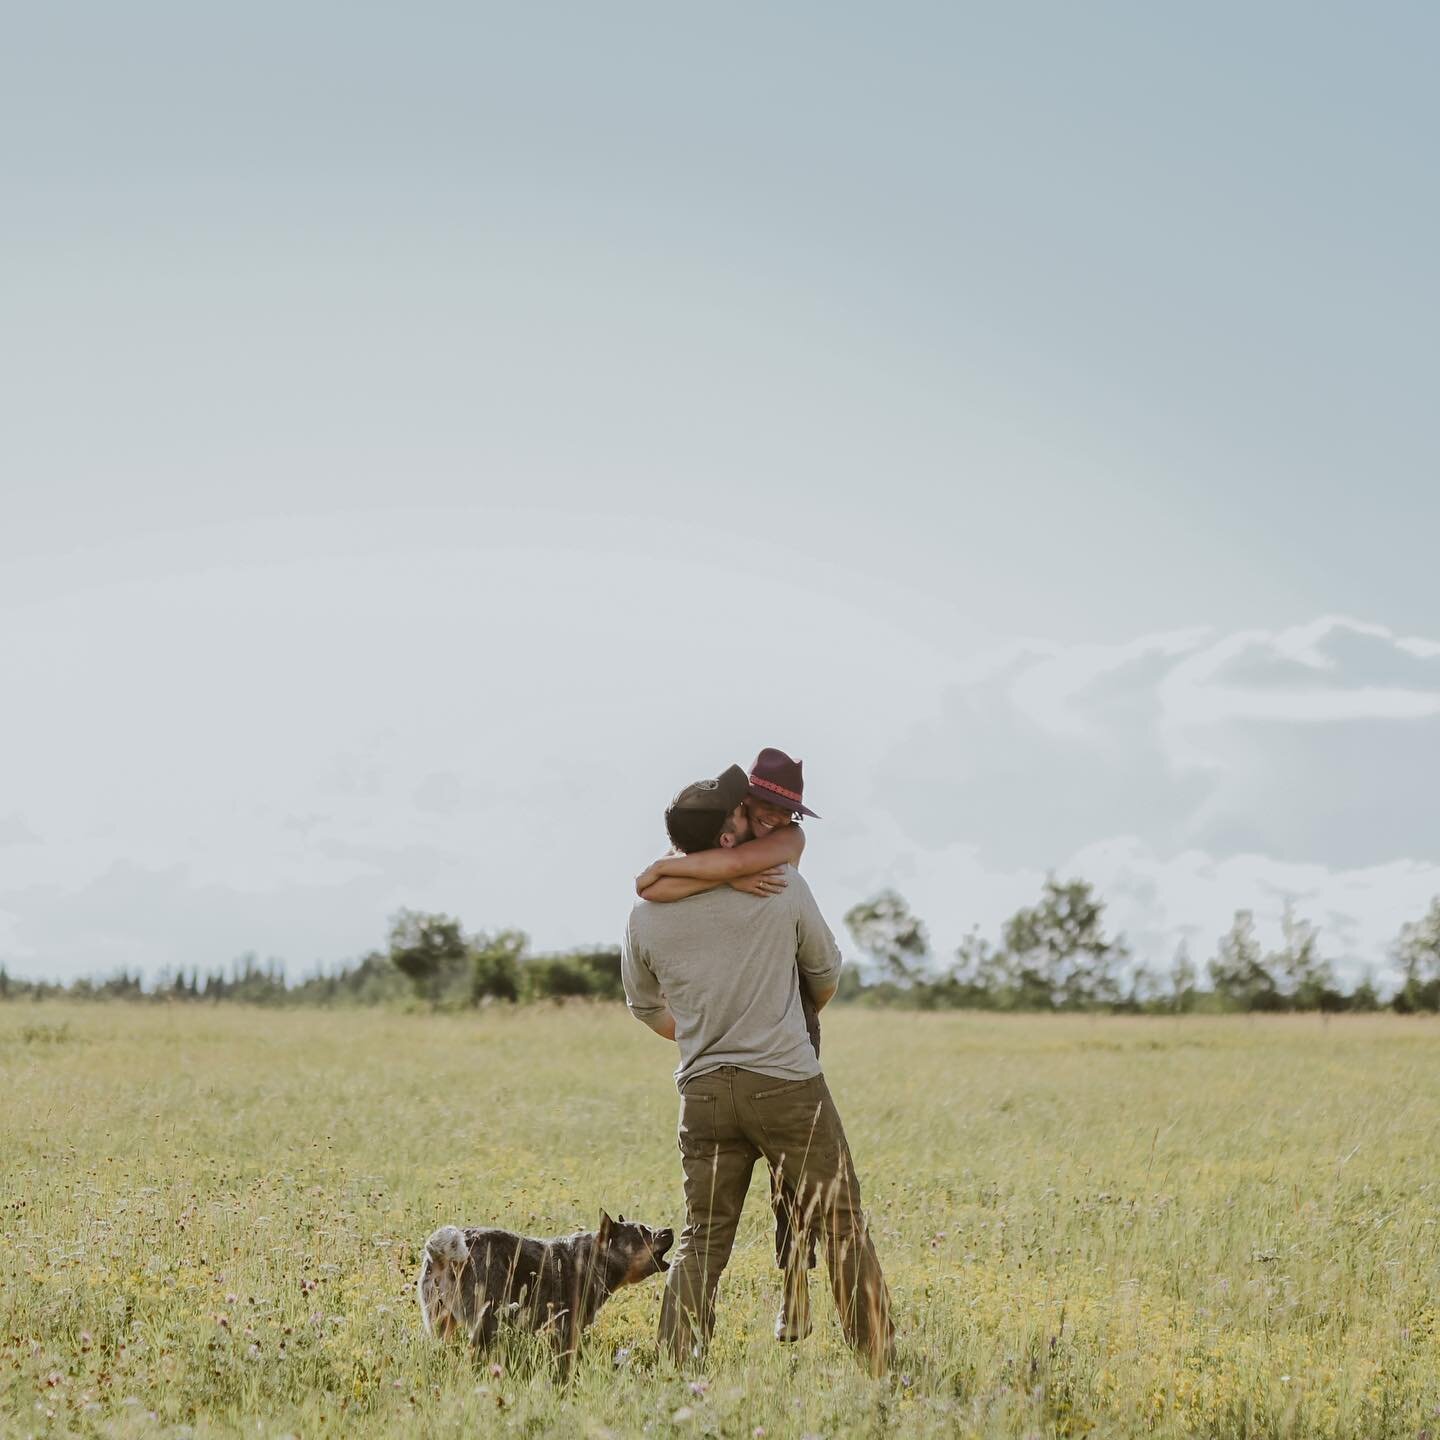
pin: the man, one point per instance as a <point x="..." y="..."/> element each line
<point x="719" y="974"/>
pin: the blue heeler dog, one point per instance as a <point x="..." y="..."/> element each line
<point x="471" y="1280"/>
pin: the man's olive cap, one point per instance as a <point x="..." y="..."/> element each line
<point x="722" y="794"/>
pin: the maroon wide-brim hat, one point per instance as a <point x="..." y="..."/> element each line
<point x="778" y="780"/>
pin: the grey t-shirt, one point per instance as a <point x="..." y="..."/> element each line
<point x="728" y="964"/>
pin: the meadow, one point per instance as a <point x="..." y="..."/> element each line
<point x="210" y="1223"/>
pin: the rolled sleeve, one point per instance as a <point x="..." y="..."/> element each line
<point x="817" y="952"/>
<point x="642" y="990"/>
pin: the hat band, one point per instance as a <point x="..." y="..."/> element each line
<point x="778" y="789"/>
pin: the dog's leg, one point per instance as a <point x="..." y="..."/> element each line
<point x="486" y="1327"/>
<point x="565" y="1337"/>
<point x="567" y="1351"/>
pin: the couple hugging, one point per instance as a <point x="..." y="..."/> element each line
<point x="736" y="976"/>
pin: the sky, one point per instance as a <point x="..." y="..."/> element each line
<point x="430" y="437"/>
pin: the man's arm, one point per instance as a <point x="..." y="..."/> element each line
<point x="642" y="990"/>
<point x="716" y="867"/>
<point x="662" y="1024"/>
<point x="816" y="951"/>
<point x="821" y="998"/>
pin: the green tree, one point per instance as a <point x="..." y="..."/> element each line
<point x="1144" y="990"/>
<point x="429" y="949"/>
<point x="1183" y="977"/>
<point x="894" y="939"/>
<point x="1417" y="951"/>
<point x="997" y="979"/>
<point x="975" y="978"/>
<point x="495" y="964"/>
<point x="1056" y="953"/>
<point x="1305" y="980"/>
<point x="592" y="972"/>
<point x="603" y="967"/>
<point x="1365" y="996"/>
<point x="1238" y="970"/>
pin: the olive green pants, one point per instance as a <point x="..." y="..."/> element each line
<point x="729" y="1119"/>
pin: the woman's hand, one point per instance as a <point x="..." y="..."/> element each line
<point x="647" y="877"/>
<point x="767" y="882"/>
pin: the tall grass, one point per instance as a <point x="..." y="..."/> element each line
<point x="1175" y="1227"/>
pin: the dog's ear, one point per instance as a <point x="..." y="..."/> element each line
<point x="603" y="1234"/>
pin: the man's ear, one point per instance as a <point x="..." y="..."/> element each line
<point x="606" y="1222"/>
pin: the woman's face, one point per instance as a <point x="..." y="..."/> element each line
<point x="764" y="818"/>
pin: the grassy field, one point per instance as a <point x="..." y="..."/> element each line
<point x="212" y="1219"/>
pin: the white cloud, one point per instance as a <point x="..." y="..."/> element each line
<point x="1199" y="692"/>
<point x="14" y="831"/>
<point x="1189" y="774"/>
<point x="1046" y="691"/>
<point x="277" y="757"/>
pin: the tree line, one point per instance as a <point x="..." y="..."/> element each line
<point x="1053" y="955"/>
<point x="1056" y="955"/>
<point x="428" y="958"/>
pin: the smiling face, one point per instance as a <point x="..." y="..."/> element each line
<point x="765" y="817"/>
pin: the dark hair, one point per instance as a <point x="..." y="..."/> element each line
<point x="692" y="830"/>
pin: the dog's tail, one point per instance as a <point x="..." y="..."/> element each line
<point x="445" y="1254"/>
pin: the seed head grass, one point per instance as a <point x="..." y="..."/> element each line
<point x="211" y="1222"/>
